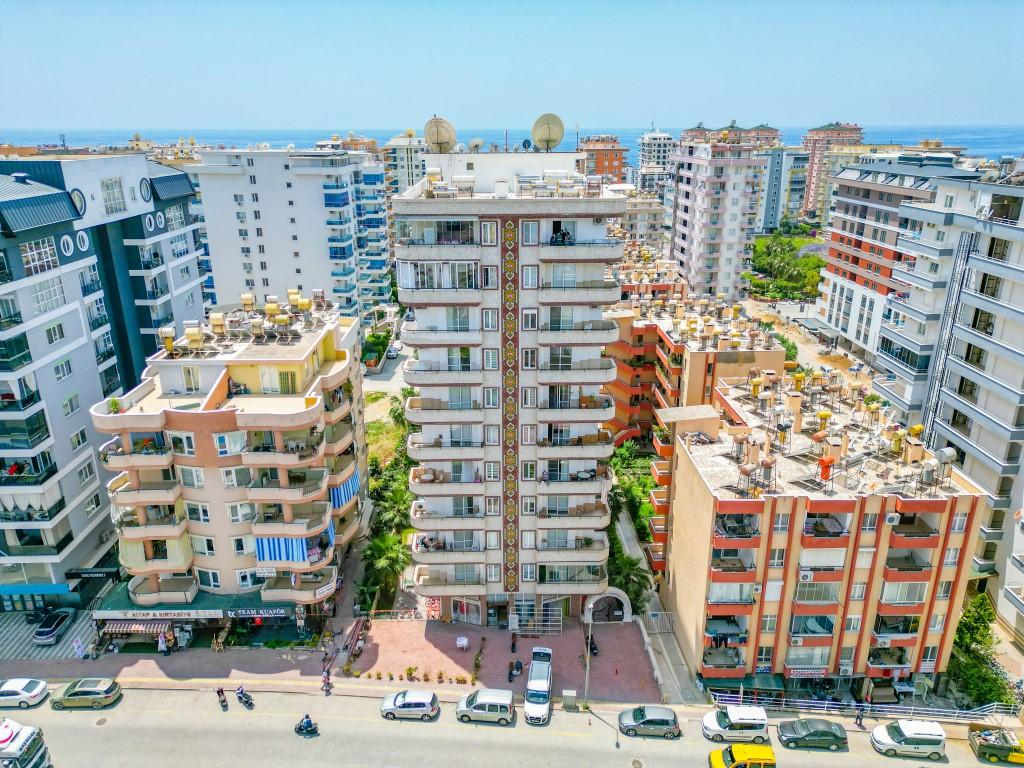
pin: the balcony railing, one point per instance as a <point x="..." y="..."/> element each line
<point x="30" y="550"/>
<point x="32" y="513"/>
<point x="91" y="287"/>
<point x="14" y="362"/>
<point x="95" y="323"/>
<point x="8" y="402"/>
<point x="17" y="474"/>
<point x="9" y="321"/>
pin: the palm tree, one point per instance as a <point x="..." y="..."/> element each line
<point x="630" y="575"/>
<point x="397" y="413"/>
<point x="394" y="508"/>
<point x="386" y="556"/>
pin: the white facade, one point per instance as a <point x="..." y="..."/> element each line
<point x="655" y="148"/>
<point x="280" y="219"/>
<point x="404" y="160"/>
<point x="511" y="490"/>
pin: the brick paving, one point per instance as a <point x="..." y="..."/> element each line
<point x="16" y="638"/>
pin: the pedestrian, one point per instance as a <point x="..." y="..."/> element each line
<point x="325" y="684"/>
<point x="858" y="720"/>
<point x="161" y="644"/>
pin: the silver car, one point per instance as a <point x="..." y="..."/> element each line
<point x="411" y="705"/>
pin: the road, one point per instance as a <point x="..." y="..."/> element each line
<point x="390" y="379"/>
<point x="167" y="729"/>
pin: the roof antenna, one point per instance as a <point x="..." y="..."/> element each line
<point x="63" y="140"/>
<point x="506" y="139"/>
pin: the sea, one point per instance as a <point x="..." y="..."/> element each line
<point x="992" y="141"/>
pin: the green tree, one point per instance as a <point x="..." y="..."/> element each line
<point x="630" y="575"/>
<point x="397" y="413"/>
<point x="974" y="630"/>
<point x="385" y="557"/>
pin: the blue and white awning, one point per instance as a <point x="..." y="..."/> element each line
<point x="281" y="549"/>
<point x="342" y="494"/>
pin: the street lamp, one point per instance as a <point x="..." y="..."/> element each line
<point x="586" y="651"/>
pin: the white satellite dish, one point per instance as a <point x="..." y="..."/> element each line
<point x="439" y="135"/>
<point x="291" y="147"/>
<point x="460" y="147"/>
<point x="475" y="145"/>
<point x="548" y="131"/>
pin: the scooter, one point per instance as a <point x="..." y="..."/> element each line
<point x="222" y="699"/>
<point x="307" y="730"/>
<point x="593" y="647"/>
<point x="245" y="699"/>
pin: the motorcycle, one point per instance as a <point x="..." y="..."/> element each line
<point x="222" y="699"/>
<point x="307" y="730"/>
<point x="36" y="615"/>
<point x="245" y="699"/>
<point x="593" y="646"/>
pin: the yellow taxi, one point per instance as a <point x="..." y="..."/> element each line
<point x="743" y="756"/>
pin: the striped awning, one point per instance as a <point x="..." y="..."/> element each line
<point x="136" y="627"/>
<point x="280" y="548"/>
<point x="342" y="494"/>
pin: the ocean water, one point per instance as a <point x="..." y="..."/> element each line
<point x="985" y="140"/>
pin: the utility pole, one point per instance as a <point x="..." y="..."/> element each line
<point x="586" y="679"/>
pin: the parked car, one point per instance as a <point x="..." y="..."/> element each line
<point x="491" y="705"/>
<point x="392" y="352"/>
<point x="54" y="626"/>
<point x="22" y="692"/>
<point x="412" y="705"/>
<point x="650" y="721"/>
<point x="743" y="756"/>
<point x="911" y="738"/>
<point x="740" y="723"/>
<point x="812" y="732"/>
<point x="95" y="692"/>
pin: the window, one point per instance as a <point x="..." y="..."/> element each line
<point x="857" y="590"/>
<point x="491" y="434"/>
<point x="494" y="573"/>
<point x="492" y="470"/>
<point x="529" y="359"/>
<point x="93" y="504"/>
<point x="781" y="522"/>
<point x="870" y="522"/>
<point x="937" y="623"/>
<point x="39" y="256"/>
<point x="79" y="439"/>
<point x="490" y="359"/>
<point x="190" y="378"/>
<point x="816" y="592"/>
<point x="490" y="397"/>
<point x="490" y="319"/>
<point x="529" y="538"/>
<point x="529" y="397"/>
<point x="241" y="513"/>
<point x="931" y="653"/>
<point x="113" y="196"/>
<point x="199" y="513"/>
<point x="529" y="505"/>
<point x="846" y="654"/>
<point x="492" y="505"/>
<point x="528" y="434"/>
<point x="182" y="443"/>
<point x="192" y="477"/>
<point x="490" y="277"/>
<point x="247" y="578"/>
<point x="252" y="179"/>
<point x="86" y="473"/>
<point x="764" y="654"/>
<point x="853" y="623"/>
<point x="529" y="320"/>
<point x="777" y="558"/>
<point x="959" y="522"/>
<point x="768" y="622"/>
<point x="952" y="556"/>
<point x="48" y="294"/>
<point x="529" y="572"/>
<point x="236" y="477"/>
<point x="71" y="405"/>
<point x="529" y="277"/>
<point x="202" y="545"/>
<point x="55" y="333"/>
<point x="911" y="592"/>
<point x="488" y="233"/>
<point x="208" y="579"/>
<point x="529" y="471"/>
<point x="531" y="234"/>
<point x="945" y="589"/>
<point x="243" y="545"/>
<point x="229" y="443"/>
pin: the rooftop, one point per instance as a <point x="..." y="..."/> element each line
<point x="811" y="434"/>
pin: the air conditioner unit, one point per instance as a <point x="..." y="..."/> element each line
<point x="846" y="669"/>
<point x="892" y="518"/>
<point x="796" y="641"/>
<point x="806" y="575"/>
<point x="884" y="642"/>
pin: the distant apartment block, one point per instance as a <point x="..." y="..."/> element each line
<point x="783" y="185"/>
<point x="817" y="143"/>
<point x="403" y="161"/>
<point x="759" y="135"/>
<point x="605" y="157"/>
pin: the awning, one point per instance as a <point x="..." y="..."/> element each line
<point x="136" y="627"/>
<point x="751" y="683"/>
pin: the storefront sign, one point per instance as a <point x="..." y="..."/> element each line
<point x="92" y="573"/>
<point x="266" y="573"/>
<point x="324" y="591"/>
<point x="764" y="669"/>
<point x="251" y="613"/>
<point x="182" y="614"/>
<point x="805" y="673"/>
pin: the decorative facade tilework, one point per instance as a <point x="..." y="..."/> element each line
<point x="510" y="399"/>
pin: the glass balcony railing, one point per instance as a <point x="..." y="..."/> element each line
<point x="91" y="287"/>
<point x="95" y="323"/>
<point x="17" y="475"/>
<point x="29" y="550"/>
<point x="10" y="402"/>
<point x="9" y="321"/>
<point x="14" y="362"/>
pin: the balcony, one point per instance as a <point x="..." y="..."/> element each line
<point x="905" y="568"/>
<point x="658" y="526"/>
<point x="823" y="532"/>
<point x="177" y="590"/>
<point x="438" y="548"/>
<point x="660" y="501"/>
<point x="441" y="583"/>
<point x="126" y="493"/>
<point x="36" y="550"/>
<point x="308" y="588"/>
<point x="428" y="410"/>
<point x="596" y="446"/>
<point x="593" y="515"/>
<point x="722" y="662"/>
<point x="276" y="412"/>
<point x="104" y="353"/>
<point x="297" y="521"/>
<point x="440" y="449"/>
<point x="582" y="548"/>
<point x="581" y="482"/>
<point x="14" y="361"/>
<point x="895" y="632"/>
<point x="736" y="532"/>
<point x="90" y="287"/>
<point x="164" y="555"/>
<point x="428" y="481"/>
<point x="303" y="485"/>
<point x="161" y="522"/>
<point x="587" y="332"/>
<point x="589" y="408"/>
<point x="733" y="570"/>
<point x="431" y="336"/>
<point x="727" y="630"/>
<point x="569" y="579"/>
<point x="596" y="371"/>
<point x="601" y="250"/>
<point x="887" y="662"/>
<point x="438" y="297"/>
<point x="913" y="534"/>
<point x="663" y="445"/>
<point x="9" y="401"/>
<point x="10" y="320"/>
<point x="295" y="452"/>
<point x="581" y="292"/>
<point x="18" y="474"/>
<point x="95" y="323"/>
<point x="430" y="372"/>
<point x="662" y="473"/>
<point x="425" y="518"/>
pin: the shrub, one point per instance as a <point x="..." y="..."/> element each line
<point x="460" y="679"/>
<point x="347" y="669"/>
<point x="357" y="673"/>
<point x="410" y="672"/>
<point x="425" y="676"/>
<point x="378" y="675"/>
<point x="390" y="676"/>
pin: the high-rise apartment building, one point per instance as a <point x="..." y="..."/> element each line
<point x="807" y="538"/>
<point x="865" y="254"/>
<point x="502" y="256"/>
<point x="817" y="143"/>
<point x="403" y="161"/>
<point x="643" y="222"/>
<point x="241" y="459"/>
<point x="605" y="157"/>
<point x="957" y="316"/>
<point x="712" y="200"/>
<point x="783" y="185"/>
<point x="277" y="218"/>
<point x="760" y="135"/>
<point x="655" y="148"/>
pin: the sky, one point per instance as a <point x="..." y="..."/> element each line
<point x="492" y="63"/>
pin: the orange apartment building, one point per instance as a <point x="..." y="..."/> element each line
<point x="818" y="141"/>
<point x="823" y="546"/>
<point x="606" y="157"/>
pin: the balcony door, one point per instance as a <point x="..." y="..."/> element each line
<point x="458" y="359"/>
<point x="563" y="276"/>
<point x="458" y="318"/>
<point x="460" y="398"/>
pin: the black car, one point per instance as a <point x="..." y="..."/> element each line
<point x="812" y="732"/>
<point x="54" y="626"/>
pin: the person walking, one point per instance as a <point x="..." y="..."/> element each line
<point x="325" y="682"/>
<point x="858" y="720"/>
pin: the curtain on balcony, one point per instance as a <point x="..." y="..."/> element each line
<point x="281" y="548"/>
<point x="342" y="494"/>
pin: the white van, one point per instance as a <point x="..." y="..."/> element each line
<point x="537" y="708"/>
<point x="913" y="738"/>
<point x="736" y="724"/>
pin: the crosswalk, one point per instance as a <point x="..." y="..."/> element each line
<point x="16" y="638"/>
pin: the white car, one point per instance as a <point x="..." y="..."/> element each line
<point x="22" y="692"/>
<point x="741" y="723"/>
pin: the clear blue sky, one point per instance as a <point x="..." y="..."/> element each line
<point x="391" y="63"/>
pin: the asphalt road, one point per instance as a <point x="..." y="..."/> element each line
<point x="165" y="729"/>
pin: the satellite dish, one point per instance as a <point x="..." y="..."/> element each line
<point x="291" y="147"/>
<point x="526" y="144"/>
<point x="475" y="145"/>
<point x="440" y="135"/>
<point x="548" y="131"/>
<point x="460" y="147"/>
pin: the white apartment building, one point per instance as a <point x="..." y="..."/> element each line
<point x="502" y="256"/>
<point x="279" y="219"/>
<point x="655" y="148"/>
<point x="960" y="308"/>
<point x="712" y="199"/>
<point x="782" y="187"/>
<point x="403" y="159"/>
